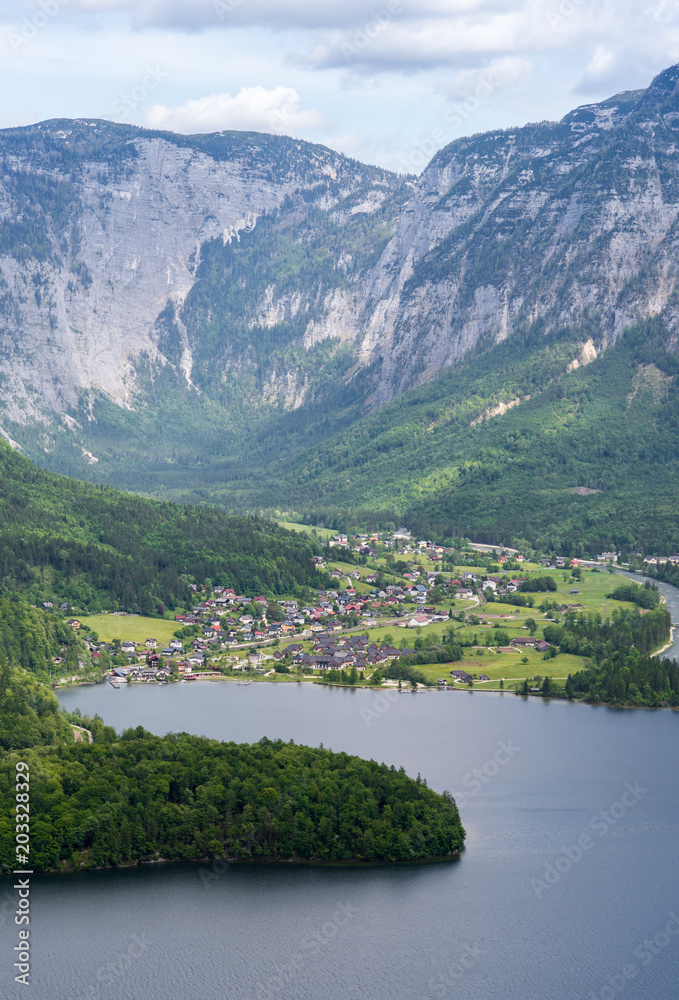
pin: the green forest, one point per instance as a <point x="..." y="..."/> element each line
<point x="30" y="715"/>
<point x="91" y="546"/>
<point x="620" y="669"/>
<point x="588" y="461"/>
<point x="185" y="798"/>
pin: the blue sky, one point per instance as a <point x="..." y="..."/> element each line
<point x="388" y="81"/>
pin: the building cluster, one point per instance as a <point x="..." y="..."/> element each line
<point x="338" y="653"/>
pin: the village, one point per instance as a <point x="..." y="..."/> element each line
<point x="384" y="583"/>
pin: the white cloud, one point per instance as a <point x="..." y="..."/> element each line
<point x="378" y="78"/>
<point x="198" y="15"/>
<point x="253" y="109"/>
<point x="486" y="80"/>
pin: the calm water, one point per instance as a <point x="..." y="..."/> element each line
<point x="488" y="926"/>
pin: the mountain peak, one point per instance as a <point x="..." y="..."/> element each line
<point x="666" y="83"/>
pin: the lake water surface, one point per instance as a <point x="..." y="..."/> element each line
<point x="570" y="864"/>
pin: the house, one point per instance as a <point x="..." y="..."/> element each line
<point x="484" y="677"/>
<point x="128" y="647"/>
<point x="418" y="620"/>
<point x="461" y="675"/>
<point x="74" y="623"/>
<point x="151" y="643"/>
<point x="175" y="644"/>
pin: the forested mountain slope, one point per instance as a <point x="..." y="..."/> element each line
<point x="533" y="439"/>
<point x="66" y="540"/>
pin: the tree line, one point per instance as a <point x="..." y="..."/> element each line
<point x="184" y="798"/>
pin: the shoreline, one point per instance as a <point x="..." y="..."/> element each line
<point x="429" y="859"/>
<point x="668" y="645"/>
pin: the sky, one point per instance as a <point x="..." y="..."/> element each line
<point x="385" y="81"/>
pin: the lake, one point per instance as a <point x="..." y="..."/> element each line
<point x="572" y="816"/>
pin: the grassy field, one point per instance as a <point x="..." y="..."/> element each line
<point x="506" y="666"/>
<point x="308" y="529"/>
<point x="134" y="629"/>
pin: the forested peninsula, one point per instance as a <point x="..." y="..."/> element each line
<point x="142" y="798"/>
<point x="124" y="800"/>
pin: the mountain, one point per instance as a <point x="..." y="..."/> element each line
<point x="62" y="540"/>
<point x="224" y="317"/>
<point x="104" y="230"/>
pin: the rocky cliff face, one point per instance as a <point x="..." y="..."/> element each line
<point x="566" y="225"/>
<point x="101" y="226"/>
<point x="272" y="276"/>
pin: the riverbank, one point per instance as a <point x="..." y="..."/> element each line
<point x="668" y="645"/>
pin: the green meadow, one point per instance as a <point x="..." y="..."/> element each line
<point x="135" y="628"/>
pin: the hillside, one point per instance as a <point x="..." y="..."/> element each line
<point x="263" y="323"/>
<point x="535" y="439"/>
<point x="64" y="540"/>
<point x="186" y="282"/>
<point x="515" y="445"/>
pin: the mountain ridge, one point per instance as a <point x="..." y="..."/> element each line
<point x="267" y="335"/>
